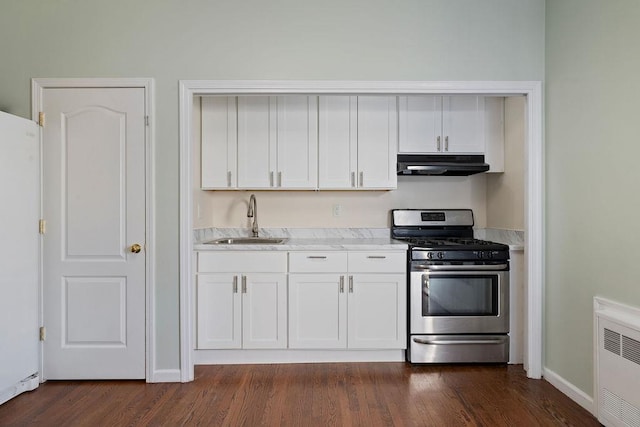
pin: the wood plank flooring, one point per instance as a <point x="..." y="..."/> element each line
<point x="339" y="394"/>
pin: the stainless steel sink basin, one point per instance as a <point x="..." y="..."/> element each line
<point x="247" y="241"/>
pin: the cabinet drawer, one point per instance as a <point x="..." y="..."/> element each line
<point x="244" y="262"/>
<point x="377" y="262"/>
<point x="317" y="262"/>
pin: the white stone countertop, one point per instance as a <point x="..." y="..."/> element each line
<point x="513" y="238"/>
<point x="313" y="244"/>
<point x="302" y="240"/>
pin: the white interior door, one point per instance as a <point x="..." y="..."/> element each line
<point x="94" y="205"/>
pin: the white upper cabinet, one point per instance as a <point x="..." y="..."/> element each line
<point x="277" y="142"/>
<point x="219" y="142"/>
<point x="259" y="142"/>
<point x="337" y="140"/>
<point x="441" y="124"/>
<point x="377" y="141"/>
<point x="297" y="142"/>
<point x="256" y="141"/>
<point x="357" y="142"/>
<point x="463" y="124"/>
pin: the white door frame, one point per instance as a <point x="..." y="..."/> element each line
<point x="38" y="85"/>
<point x="534" y="182"/>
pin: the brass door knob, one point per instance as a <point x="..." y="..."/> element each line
<point x="136" y="248"/>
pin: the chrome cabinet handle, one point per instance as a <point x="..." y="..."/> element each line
<point x="279" y="179"/>
<point x="376" y="257"/>
<point x="229" y="179"/>
<point x="270" y="179"/>
<point x="438" y="143"/>
<point x="353" y="179"/>
<point x="350" y="284"/>
<point x="341" y="284"/>
<point x="316" y="257"/>
<point x="244" y="284"/>
<point x="361" y="178"/>
<point x="446" y="143"/>
<point x="235" y="284"/>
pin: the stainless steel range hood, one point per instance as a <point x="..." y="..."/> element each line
<point x="441" y="164"/>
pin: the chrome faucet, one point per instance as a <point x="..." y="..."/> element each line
<point x="253" y="213"/>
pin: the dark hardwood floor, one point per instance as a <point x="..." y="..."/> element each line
<point x="339" y="394"/>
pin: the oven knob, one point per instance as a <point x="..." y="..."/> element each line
<point x="489" y="254"/>
<point x="480" y="254"/>
<point x="429" y="255"/>
<point x="440" y="255"/>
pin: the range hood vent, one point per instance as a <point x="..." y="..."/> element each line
<point x="441" y="164"/>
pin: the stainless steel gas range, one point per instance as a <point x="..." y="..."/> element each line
<point x="458" y="288"/>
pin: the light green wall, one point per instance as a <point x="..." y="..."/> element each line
<point x="592" y="153"/>
<point x="255" y="39"/>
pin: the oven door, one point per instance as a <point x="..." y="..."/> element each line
<point x="465" y="299"/>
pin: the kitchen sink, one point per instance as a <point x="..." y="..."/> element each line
<point x="246" y="241"/>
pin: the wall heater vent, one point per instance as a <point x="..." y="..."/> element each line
<point x="617" y="356"/>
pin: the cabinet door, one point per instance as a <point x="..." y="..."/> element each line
<point x="297" y="142"/>
<point x="377" y="311"/>
<point x="264" y="310"/>
<point x="219" y="316"/>
<point x="256" y="141"/>
<point x="463" y="124"/>
<point x="337" y="140"/>
<point x="219" y="142"/>
<point x="420" y="124"/>
<point x="377" y="142"/>
<point x="317" y="311"/>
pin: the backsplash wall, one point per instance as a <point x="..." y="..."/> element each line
<point x="314" y="209"/>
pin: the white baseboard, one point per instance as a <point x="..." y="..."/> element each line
<point x="573" y="392"/>
<point x="165" y="376"/>
<point x="234" y="357"/>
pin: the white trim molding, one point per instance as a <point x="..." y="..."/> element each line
<point x="573" y="392"/>
<point x="534" y="221"/>
<point x="37" y="87"/>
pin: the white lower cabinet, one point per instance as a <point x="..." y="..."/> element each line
<point x="244" y="309"/>
<point x="336" y="300"/>
<point x="376" y="314"/>
<point x="317" y="311"/>
<point x="354" y="300"/>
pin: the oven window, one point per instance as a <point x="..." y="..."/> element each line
<point x="456" y="295"/>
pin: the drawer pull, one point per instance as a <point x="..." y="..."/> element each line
<point x="244" y="284"/>
<point x="350" y="284"/>
<point x="376" y="257"/>
<point x="235" y="284"/>
<point x="317" y="257"/>
<point x="341" y="284"/>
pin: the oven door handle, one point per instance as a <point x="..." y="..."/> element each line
<point x="425" y="290"/>
<point x="495" y="267"/>
<point x="457" y="342"/>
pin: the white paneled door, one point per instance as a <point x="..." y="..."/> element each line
<point x="94" y="245"/>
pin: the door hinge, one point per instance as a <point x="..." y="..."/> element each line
<point x="42" y="226"/>
<point x="43" y="333"/>
<point x="146" y="120"/>
<point x="41" y="118"/>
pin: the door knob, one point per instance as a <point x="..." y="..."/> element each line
<point x="136" y="248"/>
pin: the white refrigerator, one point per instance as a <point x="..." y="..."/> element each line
<point x="19" y="255"/>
